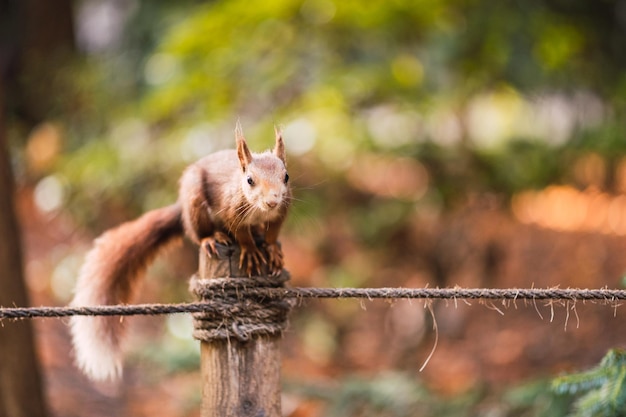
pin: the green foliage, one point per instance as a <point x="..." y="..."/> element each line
<point x="535" y="399"/>
<point x="396" y="394"/>
<point x="522" y="164"/>
<point x="601" y="390"/>
<point x="390" y="394"/>
<point x="455" y="85"/>
<point x="608" y="141"/>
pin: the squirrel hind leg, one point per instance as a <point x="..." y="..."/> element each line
<point x="275" y="260"/>
<point x="209" y="243"/>
<point x="251" y="260"/>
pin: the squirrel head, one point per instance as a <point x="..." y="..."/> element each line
<point x="265" y="182"/>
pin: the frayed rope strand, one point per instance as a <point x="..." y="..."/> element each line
<point x="606" y="296"/>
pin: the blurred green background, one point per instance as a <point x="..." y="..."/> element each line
<point x="438" y="143"/>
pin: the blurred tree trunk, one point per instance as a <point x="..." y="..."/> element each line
<point x="20" y="382"/>
<point x="36" y="40"/>
<point x="36" y="36"/>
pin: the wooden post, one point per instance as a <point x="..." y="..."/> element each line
<point x="241" y="379"/>
<point x="240" y="375"/>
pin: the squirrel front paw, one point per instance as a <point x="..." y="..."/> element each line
<point x="275" y="260"/>
<point x="251" y="260"/>
<point x="208" y="243"/>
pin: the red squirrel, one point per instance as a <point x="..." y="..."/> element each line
<point x="225" y="196"/>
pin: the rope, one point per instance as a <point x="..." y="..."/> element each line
<point x="460" y="293"/>
<point x="209" y="306"/>
<point x="236" y="313"/>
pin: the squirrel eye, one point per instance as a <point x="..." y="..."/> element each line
<point x="286" y="178"/>
<point x="250" y="181"/>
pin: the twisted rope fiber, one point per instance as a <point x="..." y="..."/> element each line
<point x="529" y="294"/>
<point x="246" y="290"/>
<point x="236" y="315"/>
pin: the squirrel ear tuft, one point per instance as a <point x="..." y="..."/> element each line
<point x="245" y="157"/>
<point x="279" y="148"/>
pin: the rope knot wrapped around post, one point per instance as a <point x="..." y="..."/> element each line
<point x="237" y="314"/>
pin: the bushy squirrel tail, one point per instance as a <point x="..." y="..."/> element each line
<point x="109" y="275"/>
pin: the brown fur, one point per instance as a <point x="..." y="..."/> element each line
<point x="109" y="276"/>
